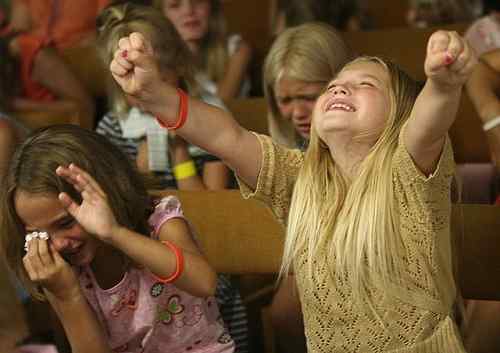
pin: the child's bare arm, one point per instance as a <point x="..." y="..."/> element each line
<point x="198" y="278"/>
<point x="211" y="128"/>
<point x="448" y="64"/>
<point x="229" y="86"/>
<point x="483" y="86"/>
<point x="96" y="217"/>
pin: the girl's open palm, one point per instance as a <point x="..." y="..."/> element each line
<point x="450" y="60"/>
<point x="94" y="213"/>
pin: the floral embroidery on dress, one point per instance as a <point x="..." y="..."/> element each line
<point x="157" y="289"/>
<point x="224" y="338"/>
<point x="174" y="307"/>
<point x="193" y="319"/>
<point x="128" y="301"/>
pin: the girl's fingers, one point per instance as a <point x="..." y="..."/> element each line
<point x="44" y="252"/>
<point x="124" y="44"/>
<point x="121" y="58"/>
<point x="69" y="176"/>
<point x="33" y="261"/>
<point x="68" y="203"/>
<point x="137" y="42"/>
<point x="456" y="45"/>
<point x="87" y="179"/>
<point x="437" y="61"/>
<point x="438" y="42"/>
<point x="29" y="268"/>
<point x="117" y="69"/>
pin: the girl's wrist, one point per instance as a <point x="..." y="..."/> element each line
<point x="114" y="234"/>
<point x="166" y="105"/>
<point x="69" y="296"/>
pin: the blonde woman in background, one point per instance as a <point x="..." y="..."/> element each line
<point x="299" y="64"/>
<point x="223" y="59"/>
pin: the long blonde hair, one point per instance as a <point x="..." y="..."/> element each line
<point x="354" y="225"/>
<point x="213" y="48"/>
<point x="117" y="21"/>
<point x="312" y="53"/>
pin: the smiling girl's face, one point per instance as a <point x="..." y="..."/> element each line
<point x="356" y="103"/>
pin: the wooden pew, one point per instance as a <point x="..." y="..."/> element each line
<point x="241" y="237"/>
<point x="251" y="113"/>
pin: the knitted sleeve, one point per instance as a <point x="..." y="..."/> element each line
<point x="424" y="207"/>
<point x="279" y="170"/>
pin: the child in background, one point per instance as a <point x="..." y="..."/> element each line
<point x="427" y="13"/>
<point x="187" y="167"/>
<point x="301" y="61"/>
<point x="367" y="207"/>
<point x="343" y="15"/>
<point x="127" y="274"/>
<point x="222" y="60"/>
<point x="43" y="83"/>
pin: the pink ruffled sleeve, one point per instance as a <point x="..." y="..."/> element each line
<point x="168" y="208"/>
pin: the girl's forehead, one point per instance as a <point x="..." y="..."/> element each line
<point x="363" y="69"/>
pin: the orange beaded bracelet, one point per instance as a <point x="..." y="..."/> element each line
<point x="179" y="258"/>
<point x="183" y="111"/>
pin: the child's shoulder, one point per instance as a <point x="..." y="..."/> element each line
<point x="165" y="208"/>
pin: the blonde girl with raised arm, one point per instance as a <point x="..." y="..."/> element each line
<point x="367" y="206"/>
<point x="122" y="273"/>
<point x="222" y="60"/>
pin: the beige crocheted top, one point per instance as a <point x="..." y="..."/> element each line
<point x="332" y="323"/>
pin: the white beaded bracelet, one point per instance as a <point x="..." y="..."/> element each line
<point x="490" y="124"/>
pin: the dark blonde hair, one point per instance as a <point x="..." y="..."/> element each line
<point x="117" y="21"/>
<point x="311" y="53"/>
<point x="33" y="170"/>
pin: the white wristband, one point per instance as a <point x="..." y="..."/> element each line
<point x="490" y="124"/>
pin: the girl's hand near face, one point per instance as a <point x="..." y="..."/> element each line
<point x="449" y="61"/>
<point x="94" y="213"/>
<point x="46" y="267"/>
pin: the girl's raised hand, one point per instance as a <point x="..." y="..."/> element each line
<point x="450" y="60"/>
<point x="94" y="213"/>
<point x="135" y="69"/>
<point x="47" y="268"/>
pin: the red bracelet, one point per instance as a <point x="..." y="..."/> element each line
<point x="183" y="111"/>
<point x="179" y="258"/>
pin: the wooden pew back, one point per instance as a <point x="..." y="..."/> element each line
<point x="241" y="236"/>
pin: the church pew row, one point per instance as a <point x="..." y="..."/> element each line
<point x="241" y="237"/>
